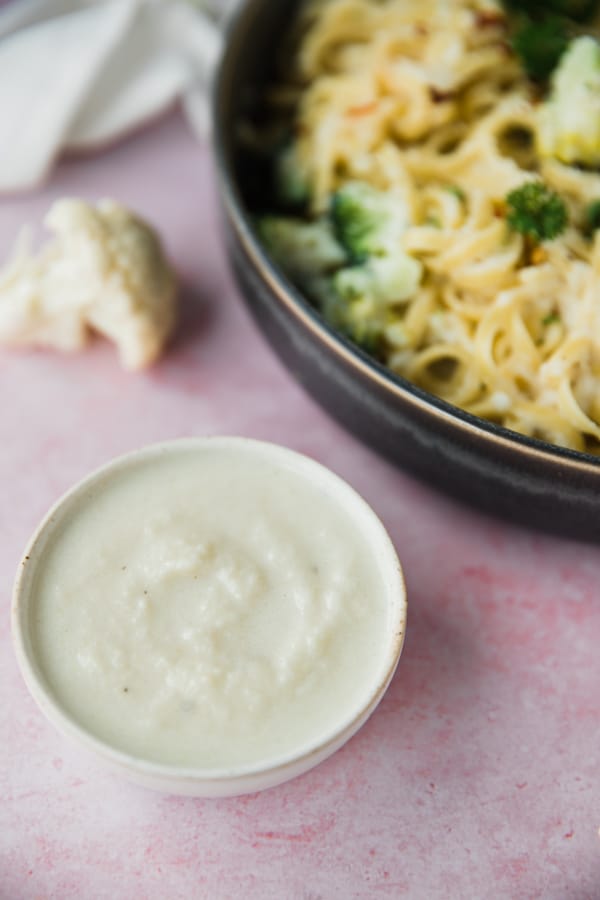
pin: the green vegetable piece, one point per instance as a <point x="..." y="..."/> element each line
<point x="356" y="299"/>
<point x="358" y="320"/>
<point x="367" y="221"/>
<point x="367" y="335"/>
<point x="381" y="281"/>
<point x="569" y="121"/>
<point x="536" y="212"/>
<point x="540" y="45"/>
<point x="457" y="191"/>
<point x="302" y="249"/>
<point x="592" y="218"/>
<point x="360" y="327"/>
<point x="291" y="185"/>
<point x="551" y="319"/>
<point x="355" y="283"/>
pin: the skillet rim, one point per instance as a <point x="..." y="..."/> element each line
<point x="471" y="427"/>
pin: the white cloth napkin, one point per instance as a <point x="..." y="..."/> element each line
<point x="82" y="73"/>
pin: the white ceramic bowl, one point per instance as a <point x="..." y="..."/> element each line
<point x="201" y="781"/>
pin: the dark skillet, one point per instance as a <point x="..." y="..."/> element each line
<point x="525" y="480"/>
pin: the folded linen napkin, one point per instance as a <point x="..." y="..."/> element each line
<point x="82" y="73"/>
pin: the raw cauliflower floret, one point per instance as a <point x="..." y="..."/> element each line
<point x="569" y="121"/>
<point x="104" y="271"/>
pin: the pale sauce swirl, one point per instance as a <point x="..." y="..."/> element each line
<point x="210" y="609"/>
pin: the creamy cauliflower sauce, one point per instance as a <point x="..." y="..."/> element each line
<point x="210" y="608"/>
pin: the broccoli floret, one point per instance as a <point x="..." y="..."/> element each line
<point x="359" y="321"/>
<point x="356" y="299"/>
<point x="536" y="212"/>
<point x="569" y="122"/>
<point x="369" y="224"/>
<point x="362" y="295"/>
<point x="365" y="331"/>
<point x="291" y="184"/>
<point x="592" y="218"/>
<point x="302" y="249"/>
<point x="367" y="221"/>
<point x="540" y="46"/>
<point x="365" y="229"/>
<point x="381" y="280"/>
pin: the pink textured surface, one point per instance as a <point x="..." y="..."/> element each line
<point x="478" y="775"/>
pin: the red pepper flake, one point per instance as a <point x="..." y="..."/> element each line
<point x="499" y="209"/>
<point x="364" y="109"/>
<point x="441" y="96"/>
<point x="489" y="18"/>
<point x="538" y="256"/>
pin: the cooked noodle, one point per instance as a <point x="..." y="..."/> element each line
<point x="423" y="99"/>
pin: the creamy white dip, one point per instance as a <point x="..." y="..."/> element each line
<point x="211" y="607"/>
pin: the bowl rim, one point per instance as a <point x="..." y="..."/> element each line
<point x="274" y="772"/>
<point x="296" y="303"/>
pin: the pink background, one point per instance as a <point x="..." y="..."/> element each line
<point x="478" y="775"/>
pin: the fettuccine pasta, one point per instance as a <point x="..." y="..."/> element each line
<point x="424" y="100"/>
